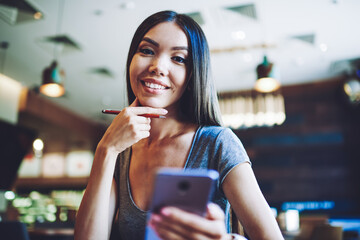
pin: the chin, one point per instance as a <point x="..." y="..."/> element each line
<point x="151" y="103"/>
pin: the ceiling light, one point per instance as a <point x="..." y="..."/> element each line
<point x="38" y="144"/>
<point x="252" y="110"/>
<point x="323" y="47"/>
<point x="238" y="35"/>
<point x="352" y="89"/>
<point x="38" y="15"/>
<point x="9" y="195"/>
<point x="52" y="79"/>
<point x="18" y="11"/>
<point x="53" y="76"/>
<point x="267" y="77"/>
<point x="128" y="5"/>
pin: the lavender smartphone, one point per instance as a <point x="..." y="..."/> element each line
<point x="190" y="190"/>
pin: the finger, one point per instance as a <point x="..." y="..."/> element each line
<point x="141" y="124"/>
<point x="214" y="212"/>
<point x="164" y="234"/>
<point x="169" y="235"/>
<point x="192" y="222"/>
<point x="139" y="134"/>
<point x="143" y="120"/>
<point x="144" y="127"/>
<point x="143" y="134"/>
<point x="168" y="230"/>
<point x="127" y="118"/>
<point x="148" y="110"/>
<point x="137" y="109"/>
<point x="130" y="111"/>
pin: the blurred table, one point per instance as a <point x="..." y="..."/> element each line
<point x="51" y="233"/>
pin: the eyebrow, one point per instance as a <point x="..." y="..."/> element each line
<point x="153" y="42"/>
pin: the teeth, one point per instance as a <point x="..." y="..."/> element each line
<point x="153" y="85"/>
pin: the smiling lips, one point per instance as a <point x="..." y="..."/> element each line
<point x="154" y="85"/>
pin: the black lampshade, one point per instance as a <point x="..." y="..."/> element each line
<point x="267" y="77"/>
<point x="52" y="81"/>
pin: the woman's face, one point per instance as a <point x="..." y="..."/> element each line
<point x="158" y="68"/>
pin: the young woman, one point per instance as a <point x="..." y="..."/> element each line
<point x="168" y="74"/>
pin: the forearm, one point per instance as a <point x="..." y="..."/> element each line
<point x="262" y="226"/>
<point x="97" y="207"/>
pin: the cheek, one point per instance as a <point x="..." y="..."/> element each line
<point x="138" y="66"/>
<point x="181" y="79"/>
<point x="133" y="75"/>
<point x="134" y="69"/>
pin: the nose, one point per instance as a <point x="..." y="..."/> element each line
<point x="159" y="66"/>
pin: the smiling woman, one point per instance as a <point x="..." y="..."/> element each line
<point x="168" y="75"/>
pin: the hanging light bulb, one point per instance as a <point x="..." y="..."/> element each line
<point x="268" y="76"/>
<point x="52" y="81"/>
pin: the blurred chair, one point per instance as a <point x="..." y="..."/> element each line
<point x="308" y="225"/>
<point x="13" y="231"/>
<point x="327" y="232"/>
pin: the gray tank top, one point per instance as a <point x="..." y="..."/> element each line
<point x="213" y="147"/>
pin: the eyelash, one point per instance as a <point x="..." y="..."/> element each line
<point x="179" y="59"/>
<point x="147" y="51"/>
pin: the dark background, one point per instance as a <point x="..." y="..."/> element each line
<point x="314" y="154"/>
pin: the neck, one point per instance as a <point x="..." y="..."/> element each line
<point x="169" y="127"/>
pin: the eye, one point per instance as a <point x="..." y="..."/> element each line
<point x="146" y="51"/>
<point x="179" y="59"/>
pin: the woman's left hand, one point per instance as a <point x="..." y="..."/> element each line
<point x="174" y="224"/>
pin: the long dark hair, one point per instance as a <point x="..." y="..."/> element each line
<point x="199" y="102"/>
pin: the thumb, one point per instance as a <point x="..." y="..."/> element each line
<point x="214" y="212"/>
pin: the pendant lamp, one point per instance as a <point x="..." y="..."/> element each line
<point x="267" y="77"/>
<point x="352" y="87"/>
<point x="52" y="81"/>
<point x="53" y="76"/>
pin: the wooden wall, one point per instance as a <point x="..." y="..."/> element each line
<point x="314" y="154"/>
<point x="61" y="129"/>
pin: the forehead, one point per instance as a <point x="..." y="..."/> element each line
<point x="168" y="33"/>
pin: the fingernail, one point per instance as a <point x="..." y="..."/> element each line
<point x="155" y="218"/>
<point x="165" y="212"/>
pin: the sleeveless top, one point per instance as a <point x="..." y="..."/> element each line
<point x="213" y="147"/>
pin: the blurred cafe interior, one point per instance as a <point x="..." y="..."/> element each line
<point x="287" y="75"/>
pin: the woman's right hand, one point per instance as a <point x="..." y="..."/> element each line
<point x="129" y="127"/>
<point x="98" y="207"/>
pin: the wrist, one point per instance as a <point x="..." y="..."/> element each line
<point x="105" y="148"/>
<point x="104" y="157"/>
